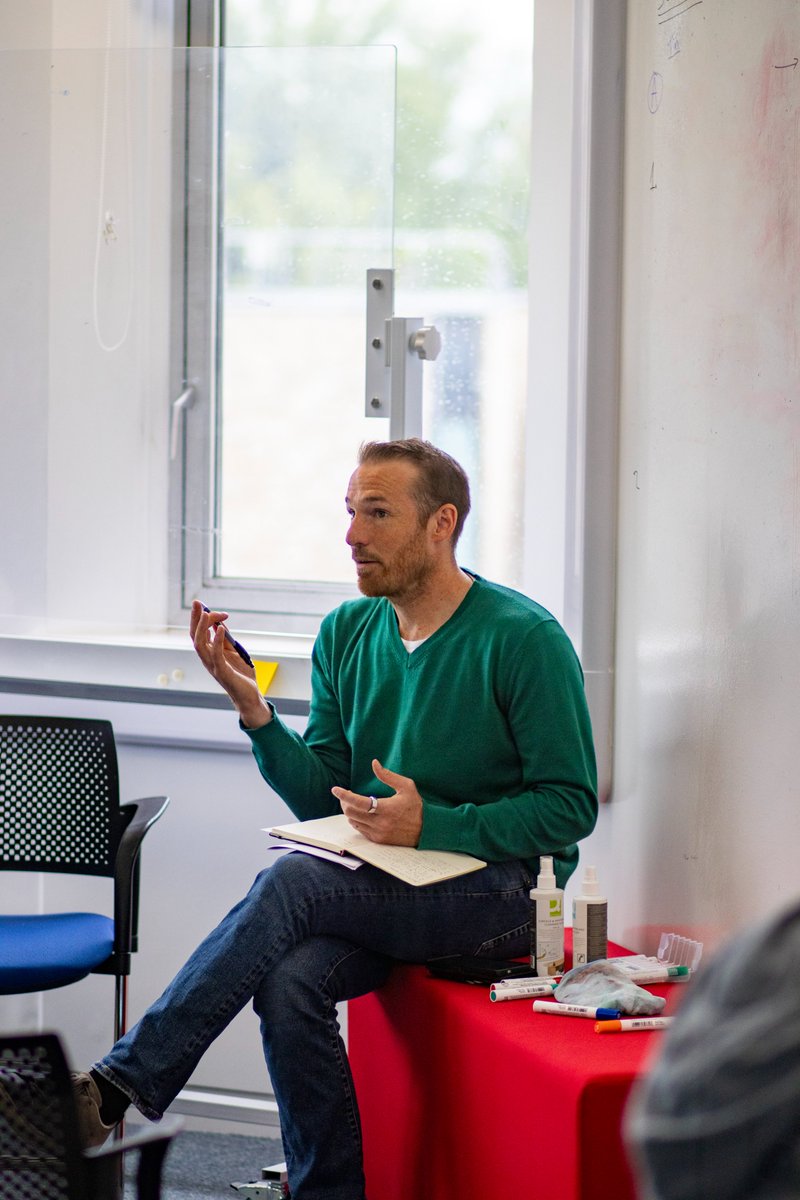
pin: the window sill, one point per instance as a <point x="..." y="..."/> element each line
<point x="144" y="683"/>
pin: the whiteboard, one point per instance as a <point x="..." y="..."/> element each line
<point x="708" y="635"/>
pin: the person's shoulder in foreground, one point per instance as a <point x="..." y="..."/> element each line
<point x="717" y="1115"/>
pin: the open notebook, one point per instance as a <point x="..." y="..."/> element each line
<point x="413" y="866"/>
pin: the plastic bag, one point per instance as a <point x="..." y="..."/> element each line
<point x="602" y="985"/>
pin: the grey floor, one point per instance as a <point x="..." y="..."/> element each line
<point x="201" y="1165"/>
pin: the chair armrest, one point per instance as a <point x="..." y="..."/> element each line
<point x="143" y="813"/>
<point x="140" y="815"/>
<point x="152" y="1143"/>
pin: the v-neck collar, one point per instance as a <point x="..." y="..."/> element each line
<point x="422" y="651"/>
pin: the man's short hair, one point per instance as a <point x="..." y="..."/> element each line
<point x="440" y="479"/>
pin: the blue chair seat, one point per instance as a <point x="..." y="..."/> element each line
<point x="40" y="952"/>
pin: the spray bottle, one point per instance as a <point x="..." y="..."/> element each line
<point x="589" y="922"/>
<point x="547" y="922"/>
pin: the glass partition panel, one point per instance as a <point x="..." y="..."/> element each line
<point x="305" y="208"/>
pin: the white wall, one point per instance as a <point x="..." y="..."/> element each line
<point x="85" y="380"/>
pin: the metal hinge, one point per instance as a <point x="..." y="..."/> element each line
<point x="396" y="348"/>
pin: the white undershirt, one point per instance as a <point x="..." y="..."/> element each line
<point x="411" y="646"/>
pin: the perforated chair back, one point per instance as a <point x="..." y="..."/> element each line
<point x="40" y="1156"/>
<point x="59" y="795"/>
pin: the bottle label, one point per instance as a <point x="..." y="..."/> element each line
<point x="589" y="931"/>
<point x="547" y="936"/>
<point x="596" y="931"/>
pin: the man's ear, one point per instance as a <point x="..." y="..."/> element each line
<point x="443" y="522"/>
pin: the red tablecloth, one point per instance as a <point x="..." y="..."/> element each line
<point x="462" y="1098"/>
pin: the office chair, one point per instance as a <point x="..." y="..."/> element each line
<point x="60" y="812"/>
<point x="40" y="1153"/>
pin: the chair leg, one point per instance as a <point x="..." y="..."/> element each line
<point x="120" y="1026"/>
<point x="120" y="1007"/>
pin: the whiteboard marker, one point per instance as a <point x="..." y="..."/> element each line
<point x="633" y="1024"/>
<point x="539" y="988"/>
<point x="575" y="1010"/>
<point x="659" y="975"/>
<point x="524" y="981"/>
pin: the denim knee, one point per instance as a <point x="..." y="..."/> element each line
<point x="303" y="980"/>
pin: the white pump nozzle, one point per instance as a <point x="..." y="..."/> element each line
<point x="546" y="879"/>
<point x="590" y="886"/>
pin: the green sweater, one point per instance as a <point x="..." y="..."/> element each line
<point x="488" y="717"/>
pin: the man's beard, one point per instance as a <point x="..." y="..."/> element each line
<point x="406" y="576"/>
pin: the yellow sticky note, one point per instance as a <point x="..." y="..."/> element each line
<point x="265" y="673"/>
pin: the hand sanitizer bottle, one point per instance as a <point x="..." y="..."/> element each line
<point x="547" y="922"/>
<point x="589" y="922"/>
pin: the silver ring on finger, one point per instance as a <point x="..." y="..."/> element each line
<point x="373" y="806"/>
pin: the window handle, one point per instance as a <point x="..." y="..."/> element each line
<point x="426" y="342"/>
<point x="179" y="407"/>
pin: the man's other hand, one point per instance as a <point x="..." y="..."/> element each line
<point x="394" y="820"/>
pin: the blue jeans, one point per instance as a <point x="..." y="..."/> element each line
<point x="310" y="933"/>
